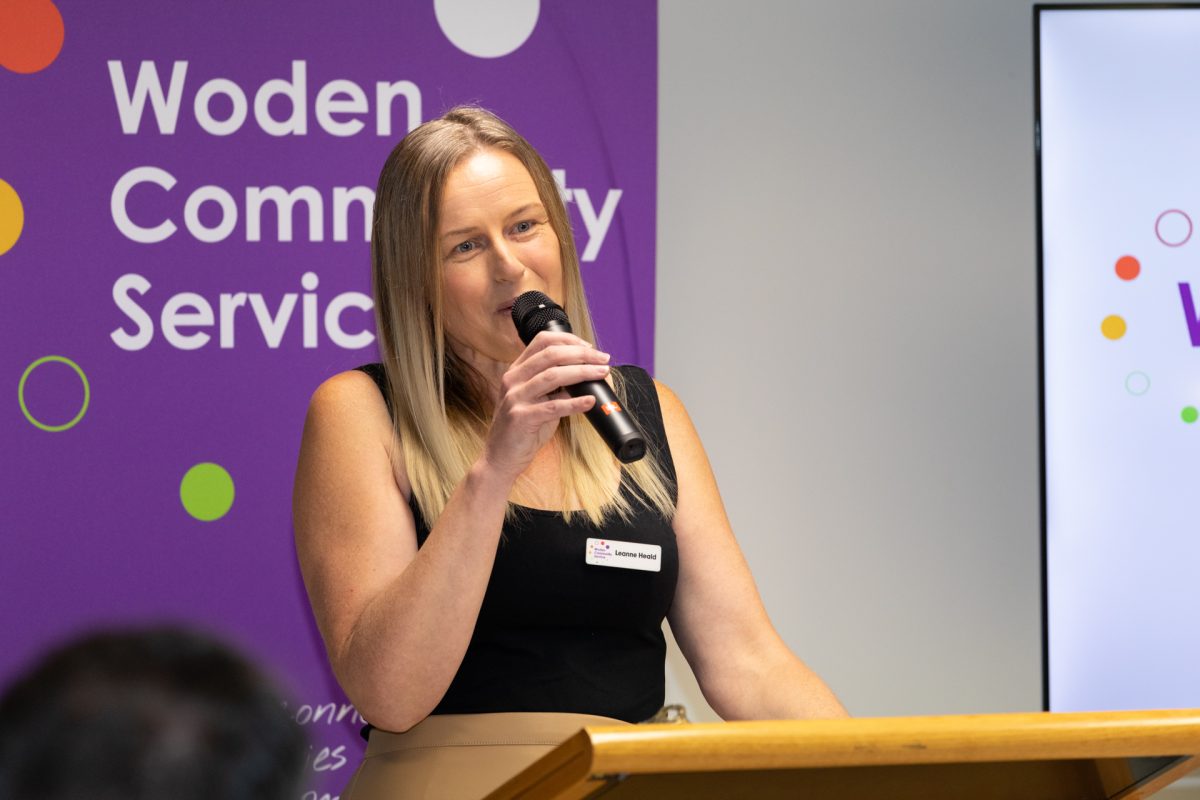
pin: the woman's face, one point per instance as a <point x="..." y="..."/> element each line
<point x="495" y="241"/>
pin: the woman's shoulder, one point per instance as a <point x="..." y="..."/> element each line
<point x="348" y="418"/>
<point x="669" y="404"/>
<point x="676" y="421"/>
<point x="353" y="390"/>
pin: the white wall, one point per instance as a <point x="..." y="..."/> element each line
<point x="847" y="289"/>
<point x="847" y="303"/>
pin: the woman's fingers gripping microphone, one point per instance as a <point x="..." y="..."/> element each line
<point x="553" y="348"/>
<point x="549" y="381"/>
<point x="544" y="364"/>
<point x="561" y="404"/>
<point x="533" y="400"/>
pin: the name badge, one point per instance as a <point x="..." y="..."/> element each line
<point x="624" y="555"/>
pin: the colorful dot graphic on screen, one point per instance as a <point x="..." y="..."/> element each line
<point x="31" y="35"/>
<point x="1113" y="327"/>
<point x="12" y="217"/>
<point x="1173" y="227"/>
<point x="206" y="491"/>
<point x="1137" y="383"/>
<point x="41" y="424"/>
<point x="1189" y="414"/>
<point x="1128" y="268"/>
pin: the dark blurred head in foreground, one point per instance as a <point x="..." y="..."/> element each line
<point x="146" y="715"/>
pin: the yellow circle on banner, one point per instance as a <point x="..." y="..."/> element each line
<point x="12" y="217"/>
<point x="1113" y="327"/>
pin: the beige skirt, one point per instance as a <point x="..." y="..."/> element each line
<point x="459" y="756"/>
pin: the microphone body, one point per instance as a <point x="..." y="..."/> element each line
<point x="534" y="312"/>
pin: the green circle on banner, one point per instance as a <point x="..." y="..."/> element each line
<point x="1189" y="414"/>
<point x="87" y="394"/>
<point x="206" y="491"/>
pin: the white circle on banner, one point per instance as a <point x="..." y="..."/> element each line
<point x="487" y="28"/>
<point x="1137" y="383"/>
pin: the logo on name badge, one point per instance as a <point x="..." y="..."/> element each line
<point x="623" y="555"/>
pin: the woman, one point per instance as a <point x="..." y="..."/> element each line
<point x="443" y="502"/>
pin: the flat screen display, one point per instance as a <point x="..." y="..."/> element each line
<point x="1119" y="187"/>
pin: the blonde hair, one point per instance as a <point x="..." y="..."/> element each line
<point x="440" y="407"/>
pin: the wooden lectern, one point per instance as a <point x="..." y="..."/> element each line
<point x="1127" y="755"/>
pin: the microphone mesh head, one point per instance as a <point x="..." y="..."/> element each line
<point x="532" y="311"/>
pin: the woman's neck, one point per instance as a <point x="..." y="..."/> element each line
<point x="488" y="371"/>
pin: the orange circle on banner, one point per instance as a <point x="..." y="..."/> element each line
<point x="31" y="34"/>
<point x="1128" y="268"/>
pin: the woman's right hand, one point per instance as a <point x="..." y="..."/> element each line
<point x="532" y="399"/>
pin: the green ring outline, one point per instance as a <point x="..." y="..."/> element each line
<point x="87" y="394"/>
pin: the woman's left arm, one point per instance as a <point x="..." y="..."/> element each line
<point x="744" y="668"/>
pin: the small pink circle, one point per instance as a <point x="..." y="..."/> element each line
<point x="1158" y="228"/>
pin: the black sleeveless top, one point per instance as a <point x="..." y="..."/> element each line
<point x="557" y="634"/>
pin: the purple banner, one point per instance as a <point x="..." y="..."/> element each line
<point x="185" y="195"/>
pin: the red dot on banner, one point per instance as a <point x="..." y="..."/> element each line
<point x="1128" y="268"/>
<point x="31" y="34"/>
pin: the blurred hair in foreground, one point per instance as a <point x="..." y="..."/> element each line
<point x="146" y="714"/>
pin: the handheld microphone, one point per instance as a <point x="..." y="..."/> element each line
<point x="534" y="312"/>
